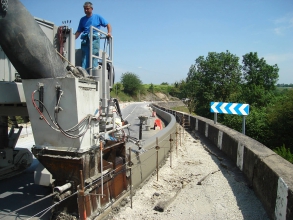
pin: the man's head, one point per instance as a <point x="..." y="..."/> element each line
<point x="88" y="8"/>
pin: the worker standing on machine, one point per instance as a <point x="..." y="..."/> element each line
<point x="84" y="27"/>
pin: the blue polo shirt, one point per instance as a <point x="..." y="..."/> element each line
<point x="95" y="20"/>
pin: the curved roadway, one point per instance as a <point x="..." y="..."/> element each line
<point x="21" y="190"/>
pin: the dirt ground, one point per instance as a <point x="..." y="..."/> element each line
<point x="201" y="184"/>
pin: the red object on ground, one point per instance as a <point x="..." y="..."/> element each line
<point x="158" y="123"/>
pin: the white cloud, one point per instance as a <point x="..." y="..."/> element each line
<point x="283" y="24"/>
<point x="281" y="30"/>
<point x="278" y="31"/>
<point x="278" y="58"/>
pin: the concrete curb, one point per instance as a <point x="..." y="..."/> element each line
<point x="145" y="163"/>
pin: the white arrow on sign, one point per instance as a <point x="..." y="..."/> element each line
<point x="223" y="108"/>
<point x="232" y="108"/>
<point x="214" y="107"/>
<point x="241" y="109"/>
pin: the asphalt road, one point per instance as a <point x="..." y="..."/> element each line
<point x="131" y="114"/>
<point x="19" y="191"/>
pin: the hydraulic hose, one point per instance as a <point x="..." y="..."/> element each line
<point x="118" y="109"/>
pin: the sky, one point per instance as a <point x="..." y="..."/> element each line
<point x="158" y="40"/>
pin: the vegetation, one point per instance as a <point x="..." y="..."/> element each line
<point x="164" y="88"/>
<point x="183" y="109"/>
<point x="285" y="85"/>
<point x="220" y="77"/>
<point x="119" y="92"/>
<point x="285" y="153"/>
<point x="215" y="78"/>
<point x="121" y="96"/>
<point x="132" y="85"/>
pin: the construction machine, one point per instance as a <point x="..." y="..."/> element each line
<point x="73" y="117"/>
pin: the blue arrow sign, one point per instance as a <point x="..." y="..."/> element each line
<point x="230" y="108"/>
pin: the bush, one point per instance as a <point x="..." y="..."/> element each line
<point x="285" y="153"/>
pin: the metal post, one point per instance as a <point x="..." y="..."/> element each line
<point x="170" y="150"/>
<point x="71" y="56"/>
<point x="215" y="117"/>
<point x="102" y="180"/>
<point x="180" y="135"/>
<point x="183" y="122"/>
<point x="91" y="51"/>
<point x="104" y="86"/>
<point x="243" y="124"/>
<point x="130" y="176"/>
<point x="157" y="148"/>
<point x="82" y="208"/>
<point x="176" y="140"/>
<point x="140" y="131"/>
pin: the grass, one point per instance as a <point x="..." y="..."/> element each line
<point x="182" y="109"/>
<point x="121" y="96"/>
<point x="285" y="153"/>
<point x="284" y="88"/>
<point x="158" y="88"/>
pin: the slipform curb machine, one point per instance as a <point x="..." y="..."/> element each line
<point x="73" y="118"/>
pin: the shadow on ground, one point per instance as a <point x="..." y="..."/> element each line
<point x="19" y="191"/>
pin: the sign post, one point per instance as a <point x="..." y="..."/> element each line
<point x="243" y="124"/>
<point x="230" y="108"/>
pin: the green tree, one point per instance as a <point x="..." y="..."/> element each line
<point x="131" y="83"/>
<point x="214" y="78"/>
<point x="117" y="87"/>
<point x="280" y="119"/>
<point x="151" y="88"/>
<point x="259" y="80"/>
<point x="257" y="72"/>
<point x="174" y="91"/>
<point x="181" y="87"/>
<point x="256" y="125"/>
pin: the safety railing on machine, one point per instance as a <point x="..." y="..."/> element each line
<point x="108" y="47"/>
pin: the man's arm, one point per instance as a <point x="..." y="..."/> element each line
<point x="77" y="34"/>
<point x="109" y="28"/>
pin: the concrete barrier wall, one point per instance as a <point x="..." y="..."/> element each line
<point x="270" y="176"/>
<point x="144" y="164"/>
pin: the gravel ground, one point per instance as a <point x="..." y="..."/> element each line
<point x="202" y="184"/>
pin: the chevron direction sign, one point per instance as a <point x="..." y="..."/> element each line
<point x="230" y="108"/>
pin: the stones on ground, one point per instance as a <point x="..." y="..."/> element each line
<point x="184" y="183"/>
<point x="124" y="202"/>
<point x="203" y="179"/>
<point x="192" y="162"/>
<point x="156" y="194"/>
<point x="115" y="209"/>
<point x="163" y="204"/>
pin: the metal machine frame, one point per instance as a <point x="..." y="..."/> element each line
<point x="73" y="120"/>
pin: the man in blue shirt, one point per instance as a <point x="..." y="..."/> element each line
<point x="84" y="27"/>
